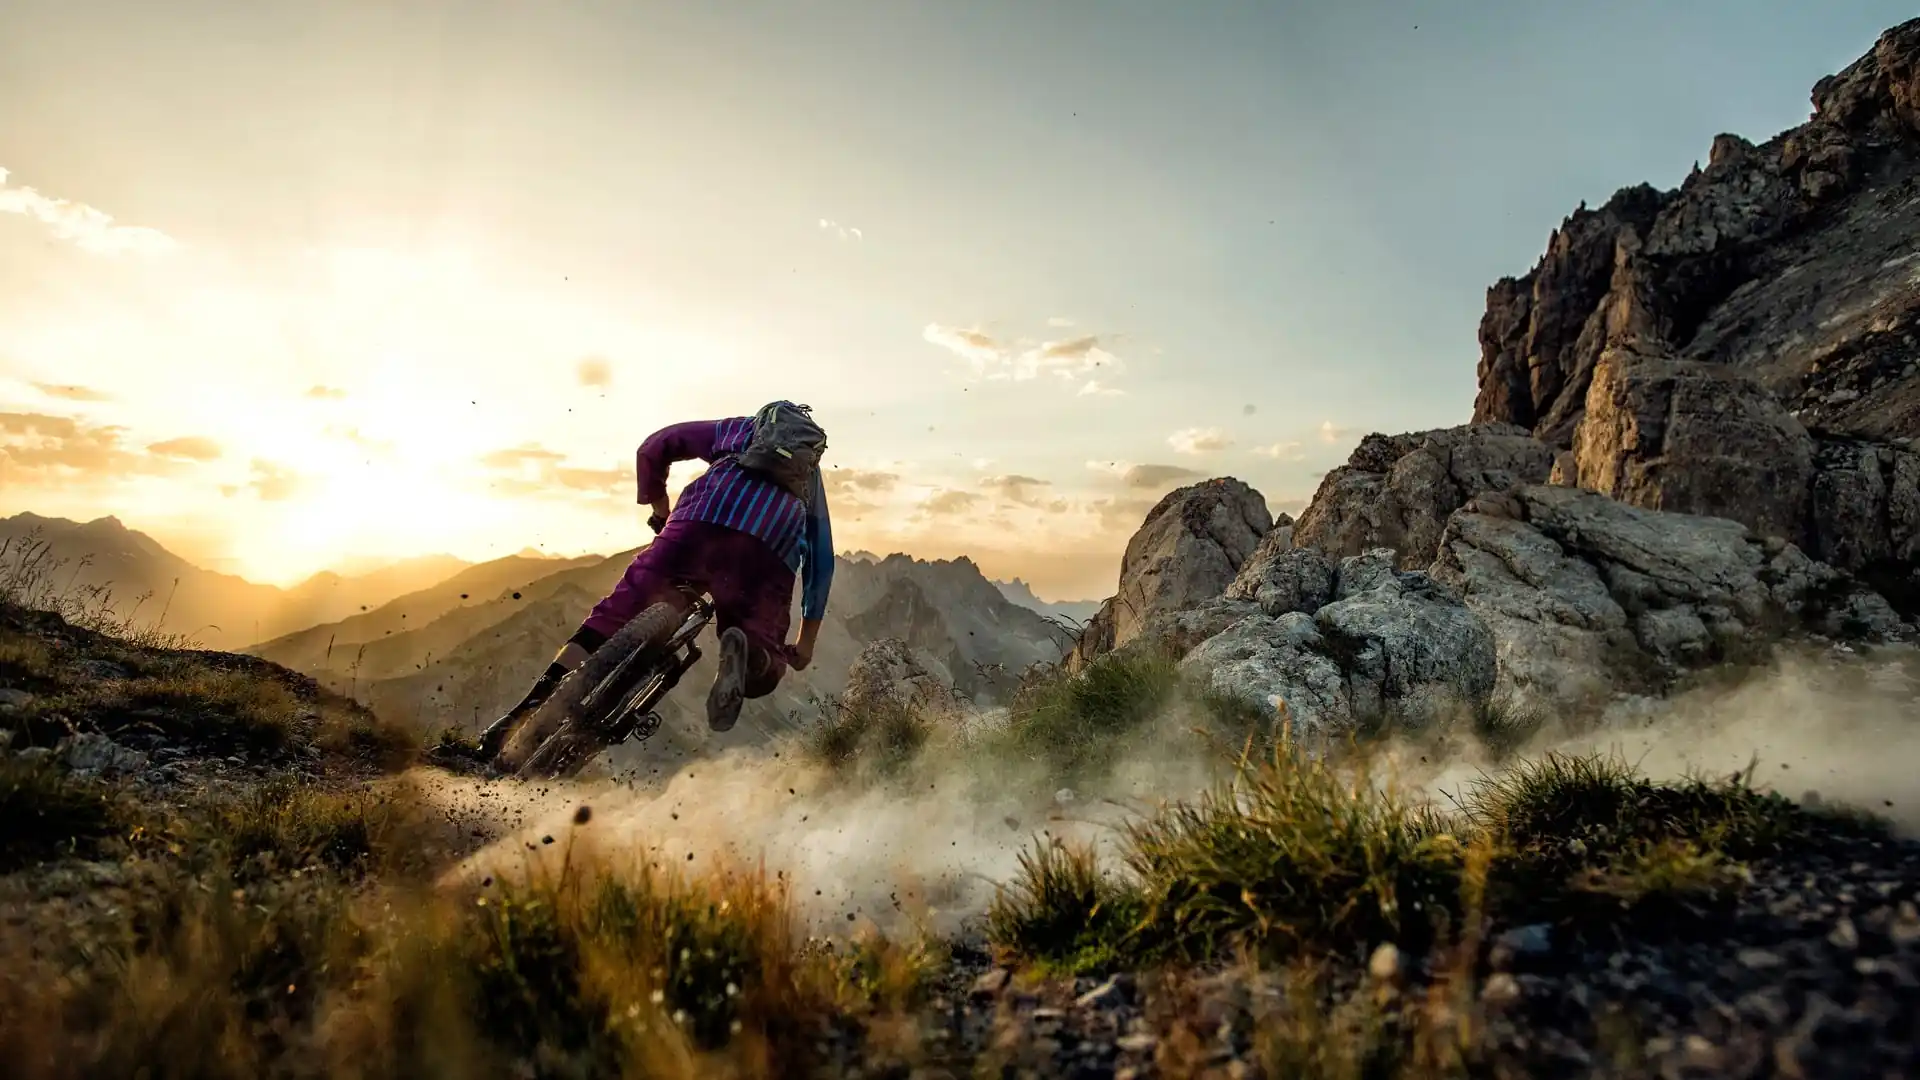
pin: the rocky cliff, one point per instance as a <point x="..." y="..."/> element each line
<point x="1693" y="438"/>
<point x="1746" y="345"/>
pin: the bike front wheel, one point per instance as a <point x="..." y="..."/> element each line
<point x="581" y="705"/>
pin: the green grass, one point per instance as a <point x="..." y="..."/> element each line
<point x="1063" y="910"/>
<point x="221" y="710"/>
<point x="1298" y="858"/>
<point x="281" y="827"/>
<point x="878" y="739"/>
<point x="1078" y="724"/>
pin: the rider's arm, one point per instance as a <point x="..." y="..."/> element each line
<point x="677" y="442"/>
<point x="816" y="573"/>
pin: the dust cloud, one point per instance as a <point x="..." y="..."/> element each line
<point x="927" y="851"/>
<point x="1841" y="724"/>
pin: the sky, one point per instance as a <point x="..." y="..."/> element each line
<point x="288" y="284"/>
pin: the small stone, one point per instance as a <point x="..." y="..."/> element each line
<point x="1501" y="989"/>
<point x="1105" y="995"/>
<point x="1758" y="959"/>
<point x="991" y="983"/>
<point x="1137" y="1043"/>
<point x="35" y="753"/>
<point x="1385" y="962"/>
<point x="1906" y="924"/>
<point x="11" y="699"/>
<point x="1533" y="940"/>
<point x="1845" y="935"/>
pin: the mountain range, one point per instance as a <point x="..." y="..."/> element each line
<point x="449" y="643"/>
<point x="221" y="611"/>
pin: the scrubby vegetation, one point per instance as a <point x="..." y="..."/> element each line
<point x="1298" y="856"/>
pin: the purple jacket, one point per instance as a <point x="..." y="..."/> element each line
<point x="801" y="533"/>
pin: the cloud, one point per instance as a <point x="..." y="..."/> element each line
<point x="1094" y="388"/>
<point x="948" y="504"/>
<point x="38" y="449"/>
<point x="1282" y="451"/>
<point x="325" y="393"/>
<point x="1061" y="322"/>
<point x="1199" y="441"/>
<point x="594" y="372"/>
<point x="991" y="358"/>
<point x="1019" y="489"/>
<point x="530" y="469"/>
<point x="72" y="393"/>
<point x="1155" y="476"/>
<point x="845" y="232"/>
<point x="82" y="225"/>
<point x="844" y="481"/>
<point x="975" y="346"/>
<point x="190" y="448"/>
<point x="1331" y="434"/>
<point x="274" y="482"/>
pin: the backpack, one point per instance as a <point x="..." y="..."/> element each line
<point x="785" y="447"/>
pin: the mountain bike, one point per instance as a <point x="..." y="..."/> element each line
<point x="614" y="695"/>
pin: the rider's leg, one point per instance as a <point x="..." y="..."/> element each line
<point x="752" y="593"/>
<point x="575" y="652"/>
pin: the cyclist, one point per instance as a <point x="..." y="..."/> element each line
<point x="741" y="533"/>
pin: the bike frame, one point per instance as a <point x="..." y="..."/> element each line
<point x="678" y="653"/>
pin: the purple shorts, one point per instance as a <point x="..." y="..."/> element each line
<point x="751" y="588"/>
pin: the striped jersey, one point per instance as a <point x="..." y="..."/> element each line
<point x="738" y="498"/>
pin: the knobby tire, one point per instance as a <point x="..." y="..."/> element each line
<point x="577" y="740"/>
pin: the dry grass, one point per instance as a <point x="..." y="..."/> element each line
<point x="577" y="966"/>
<point x="32" y="577"/>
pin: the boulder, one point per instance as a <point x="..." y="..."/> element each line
<point x="1397" y="491"/>
<point x="1586" y="595"/>
<point x="1396" y="646"/>
<point x="1281" y="578"/>
<point x="1188" y="550"/>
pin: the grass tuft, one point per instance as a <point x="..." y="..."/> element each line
<point x="1289" y="856"/>
<point x="1064" y="911"/>
<point x="879" y="738"/>
<point x="1077" y="724"/>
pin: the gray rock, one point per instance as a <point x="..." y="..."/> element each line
<point x="1187" y="551"/>
<point x="1281" y="578"/>
<point x="1586" y="596"/>
<point x="12" y="700"/>
<point x="1271" y="663"/>
<point x="1408" y="647"/>
<point x="1397" y="491"/>
<point x="89" y="753"/>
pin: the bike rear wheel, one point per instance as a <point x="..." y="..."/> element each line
<point x="584" y="701"/>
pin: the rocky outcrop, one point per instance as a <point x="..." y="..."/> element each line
<point x="1396" y="491"/>
<point x="1783" y="260"/>
<point x="1586" y="596"/>
<point x="888" y="676"/>
<point x="1390" y="645"/>
<point x="1188" y="551"/>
